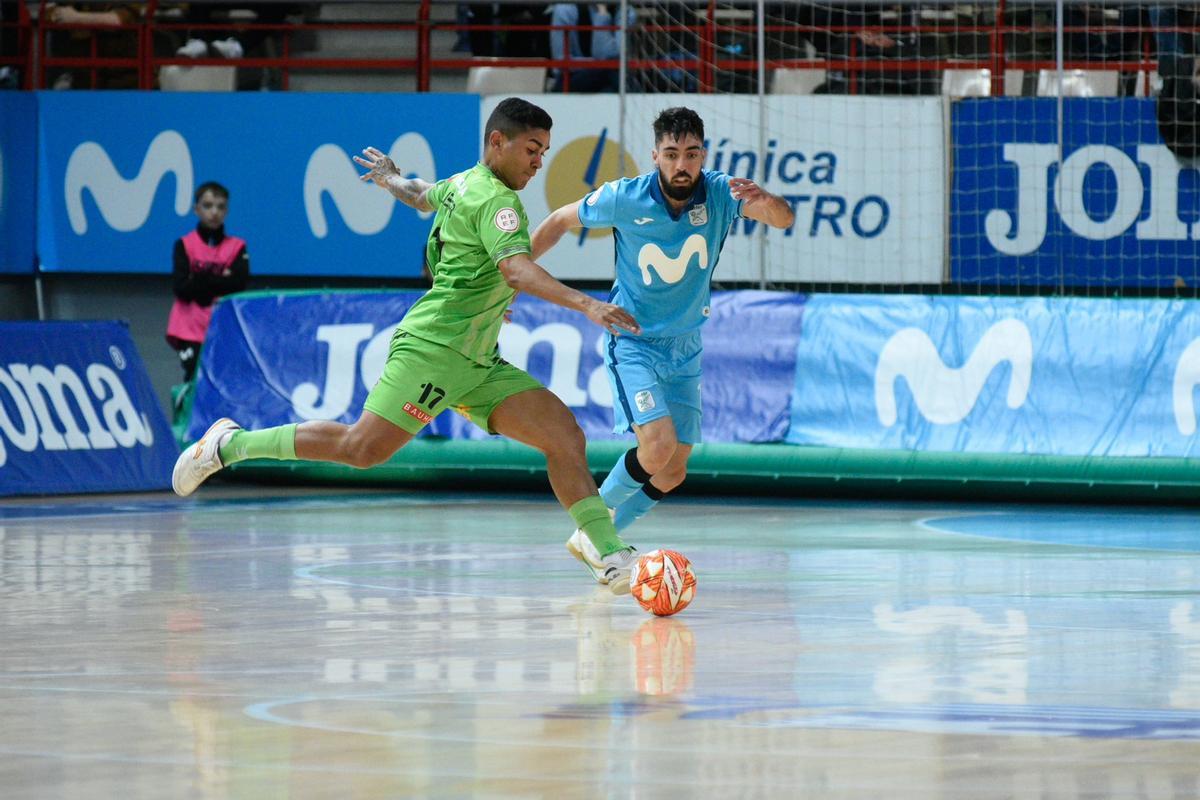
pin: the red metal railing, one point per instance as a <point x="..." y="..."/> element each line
<point x="144" y="63"/>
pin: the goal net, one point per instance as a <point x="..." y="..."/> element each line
<point x="1027" y="146"/>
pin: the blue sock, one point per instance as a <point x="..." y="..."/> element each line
<point x="636" y="506"/>
<point x="624" y="480"/>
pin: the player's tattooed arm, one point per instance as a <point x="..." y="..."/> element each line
<point x="413" y="192"/>
<point x="554" y="227"/>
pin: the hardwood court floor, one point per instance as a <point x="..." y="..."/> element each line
<point x="390" y="645"/>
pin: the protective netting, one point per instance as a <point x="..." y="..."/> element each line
<point x="1025" y="146"/>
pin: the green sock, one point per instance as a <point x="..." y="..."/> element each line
<point x="277" y="443"/>
<point x="591" y="516"/>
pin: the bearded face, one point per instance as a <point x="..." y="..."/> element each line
<point x="679" y="162"/>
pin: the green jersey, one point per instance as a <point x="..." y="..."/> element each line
<point x="479" y="223"/>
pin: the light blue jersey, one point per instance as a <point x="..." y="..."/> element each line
<point x="664" y="263"/>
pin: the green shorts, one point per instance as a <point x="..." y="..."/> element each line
<point x="421" y="378"/>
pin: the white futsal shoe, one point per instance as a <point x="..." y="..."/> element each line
<point x="611" y="570"/>
<point x="199" y="461"/>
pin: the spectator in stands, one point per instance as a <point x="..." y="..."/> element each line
<point x="1178" y="105"/>
<point x="255" y="41"/>
<point x="208" y="264"/>
<point x="812" y="30"/>
<point x="871" y="41"/>
<point x="588" y="44"/>
<point x="667" y="33"/>
<point x="1176" y="47"/>
<point x="1102" y="37"/>
<point x="482" y="43"/>
<point x="10" y="15"/>
<point x="207" y="43"/>
<point x="109" y="44"/>
<point x="462" y="16"/>
<point x="513" y="42"/>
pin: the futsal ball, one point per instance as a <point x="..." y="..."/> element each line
<point x="663" y="582"/>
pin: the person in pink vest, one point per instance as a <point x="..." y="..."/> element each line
<point x="209" y="264"/>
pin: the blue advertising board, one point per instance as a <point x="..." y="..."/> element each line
<point x="1119" y="210"/>
<point x="117" y="172"/>
<point x="1048" y="376"/>
<point x="18" y="168"/>
<point x="337" y="343"/>
<point x="77" y="412"/>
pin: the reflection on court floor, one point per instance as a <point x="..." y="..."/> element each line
<point x="376" y="644"/>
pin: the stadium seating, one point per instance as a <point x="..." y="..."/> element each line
<point x="796" y="81"/>
<point x="978" y="82"/>
<point x="1078" y="83"/>
<point x="506" y="80"/>
<point x="174" y="78"/>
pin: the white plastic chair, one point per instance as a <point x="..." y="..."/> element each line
<point x="1078" y="83"/>
<point x="1148" y="84"/>
<point x="796" y="81"/>
<point x="978" y="82"/>
<point x="506" y="80"/>
<point x="175" y="78"/>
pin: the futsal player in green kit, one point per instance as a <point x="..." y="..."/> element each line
<point x="444" y="352"/>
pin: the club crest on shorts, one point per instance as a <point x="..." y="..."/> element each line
<point x="507" y="220"/>
<point x="644" y="401"/>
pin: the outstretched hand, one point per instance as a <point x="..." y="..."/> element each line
<point x="746" y="190"/>
<point x="612" y="318"/>
<point x="381" y="167"/>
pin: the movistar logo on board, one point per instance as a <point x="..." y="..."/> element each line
<point x="1183" y="388"/>
<point x="363" y="207"/>
<point x="125" y="204"/>
<point x="55" y="408"/>
<point x="945" y="395"/>
<point x="671" y="269"/>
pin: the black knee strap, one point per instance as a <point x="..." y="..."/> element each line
<point x="634" y="467"/>
<point x="653" y="492"/>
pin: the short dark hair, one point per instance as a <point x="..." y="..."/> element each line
<point x="513" y="117"/>
<point x="677" y="123"/>
<point x="211" y="186"/>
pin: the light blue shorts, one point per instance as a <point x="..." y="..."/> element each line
<point x="655" y="378"/>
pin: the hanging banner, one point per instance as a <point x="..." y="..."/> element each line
<point x="1119" y="209"/>
<point x="337" y="345"/>
<point x="77" y="412"/>
<point x="18" y="157"/>
<point x="1047" y="376"/>
<point x="118" y="171"/>
<point x="865" y="176"/>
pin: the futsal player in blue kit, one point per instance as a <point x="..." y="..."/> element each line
<point x="669" y="226"/>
